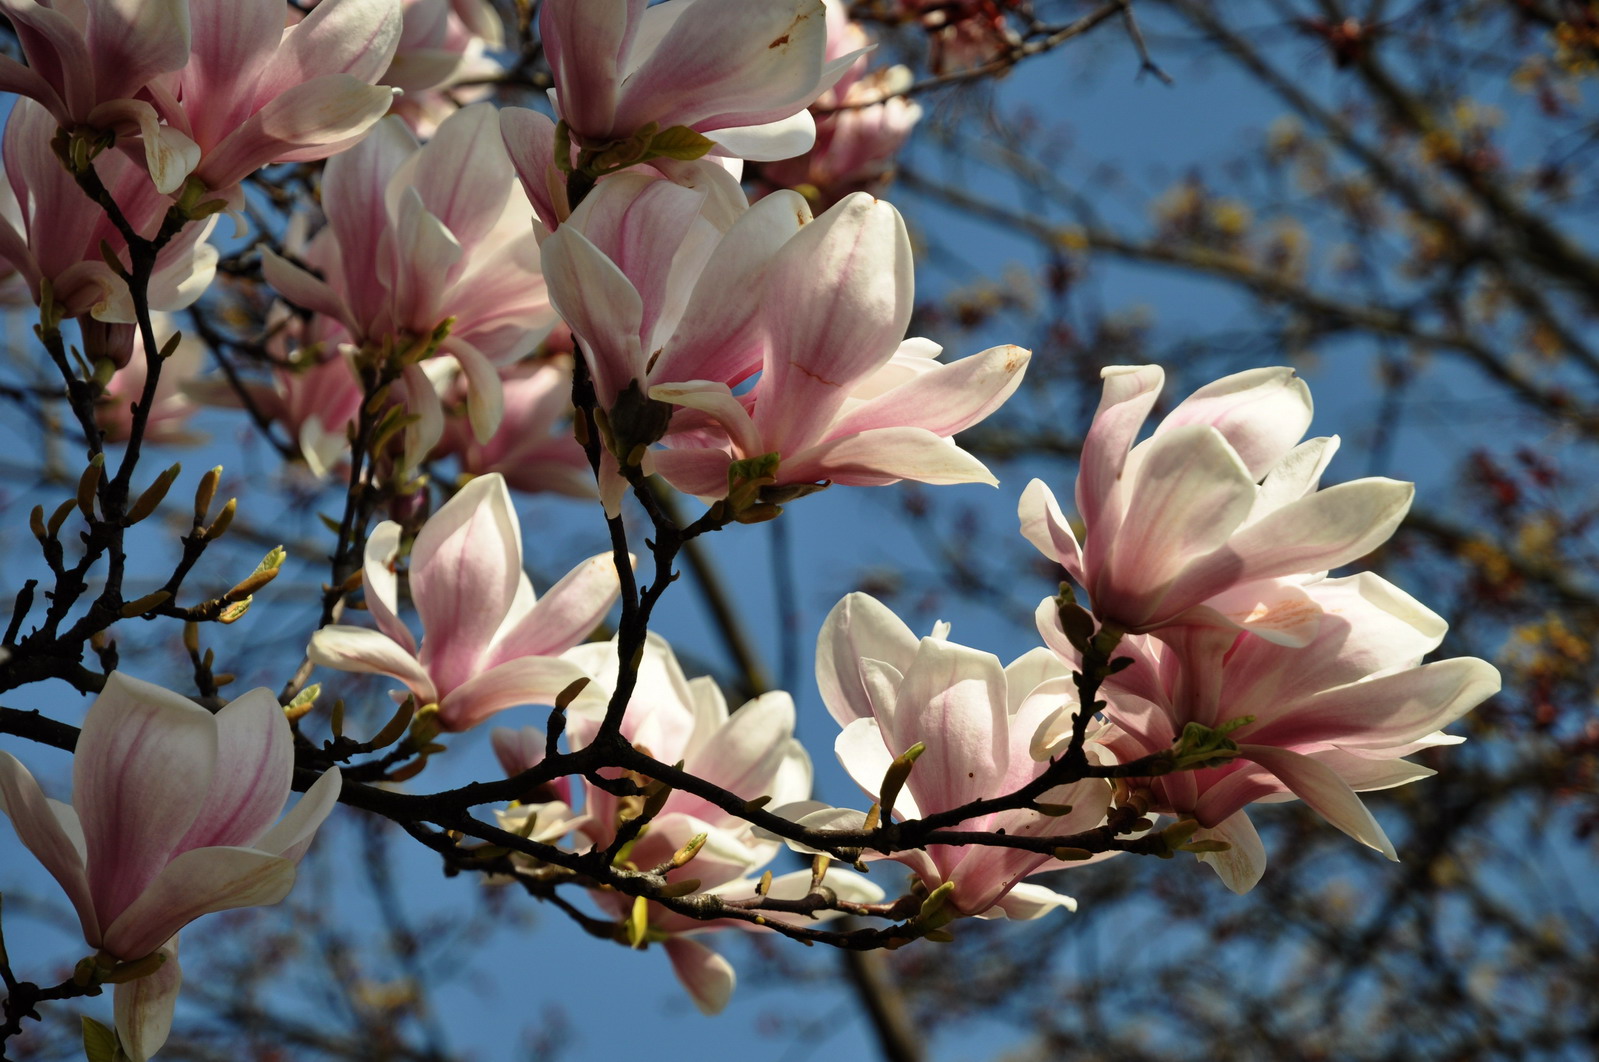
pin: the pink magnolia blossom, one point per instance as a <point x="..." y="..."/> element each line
<point x="489" y="643"/>
<point x="861" y="122"/>
<point x="890" y="690"/>
<point x="659" y="284"/>
<point x="1325" y="721"/>
<point x="254" y="92"/>
<point x="751" y="753"/>
<point x="172" y="817"/>
<point x="1204" y="521"/>
<point x="841" y="396"/>
<point x="91" y="62"/>
<point x="533" y="448"/>
<point x="739" y="73"/>
<point x="418" y="236"/>
<point x="50" y="230"/>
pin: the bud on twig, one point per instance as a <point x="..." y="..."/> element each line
<point x="153" y="495"/>
<point x="88" y="483"/>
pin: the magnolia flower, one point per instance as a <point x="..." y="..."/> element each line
<point x="750" y="753"/>
<point x="423" y="241"/>
<point x="50" y="230"/>
<point x="1319" y="722"/>
<point x="840" y="396"/>
<point x="172" y="817"/>
<point x="891" y="691"/>
<point x="254" y="93"/>
<point x="738" y="73"/>
<point x="90" y="63"/>
<point x="488" y="643"/>
<point x="656" y="290"/>
<point x="1202" y="522"/>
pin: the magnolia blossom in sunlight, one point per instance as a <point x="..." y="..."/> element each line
<point x="750" y="753"/>
<point x="488" y="643"/>
<point x="891" y="691"/>
<point x="91" y="63"/>
<point x="841" y="396"/>
<point x="1320" y="722"/>
<point x="426" y="243"/>
<point x="659" y="285"/>
<point x="861" y="122"/>
<point x="1209" y="519"/>
<point x="174" y="815"/>
<point x="50" y="230"/>
<point x="254" y="92"/>
<point x="739" y="73"/>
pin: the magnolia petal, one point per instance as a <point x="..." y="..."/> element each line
<point x="601" y="306"/>
<point x="1241" y="866"/>
<point x="716" y="400"/>
<point x="382" y="585"/>
<point x="144" y="1007"/>
<point x="744" y="754"/>
<point x="529" y="139"/>
<point x="728" y="62"/>
<point x="587" y="43"/>
<point x="198" y="882"/>
<point x="1327" y="794"/>
<point x="352" y="38"/>
<point x="1296" y="475"/>
<point x="1046" y="527"/>
<point x="1026" y="902"/>
<point x="254" y="766"/>
<point x="885" y="455"/>
<point x="132" y="41"/>
<point x="169" y="154"/>
<point x="463" y="173"/>
<point x="567" y="613"/>
<point x="699" y="471"/>
<point x="143" y="765"/>
<point x="528" y="680"/>
<point x="1278" y="610"/>
<point x="839" y="296"/>
<point x="859" y="628"/>
<point x="292" y="835"/>
<point x="1261" y="413"/>
<point x="785" y="138"/>
<point x="1324" y="530"/>
<point x="1387" y="710"/>
<point x="368" y="652"/>
<point x="1129" y="394"/>
<point x="307" y="121"/>
<point x="49" y="834"/>
<point x="953" y="701"/>
<point x="947" y="398"/>
<point x="719" y="337"/>
<point x="708" y="977"/>
<point x="465" y="566"/>
<point x="301" y="288"/>
<point x="1184" y="498"/>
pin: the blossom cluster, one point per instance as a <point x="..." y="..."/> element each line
<point x="577" y="303"/>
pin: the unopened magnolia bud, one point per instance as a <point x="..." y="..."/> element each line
<point x="146" y="603"/>
<point x="224" y="519"/>
<point x="88" y="483"/>
<point x="153" y="495"/>
<point x="205" y="493"/>
<point x="264" y="573"/>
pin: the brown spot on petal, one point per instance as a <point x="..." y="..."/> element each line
<point x="1014" y="359"/>
<point x="779" y="42"/>
<point x="818" y="378"/>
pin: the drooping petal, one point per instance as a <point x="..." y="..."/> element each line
<point x="382" y="585"/>
<point x="1241" y="866"/>
<point x="1327" y="794"/>
<point x="1026" y="902"/>
<point x="51" y="833"/>
<point x="144" y="1007"/>
<point x="947" y="399"/>
<point x="707" y="976"/>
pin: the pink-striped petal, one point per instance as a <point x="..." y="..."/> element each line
<point x="198" y="882"/>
